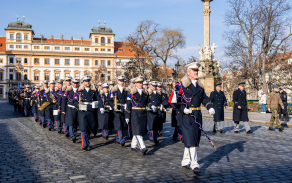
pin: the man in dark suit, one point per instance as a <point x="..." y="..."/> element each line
<point x="219" y="101"/>
<point x="193" y="95"/>
<point x="240" y="111"/>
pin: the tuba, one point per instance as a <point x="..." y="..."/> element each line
<point x="46" y="104"/>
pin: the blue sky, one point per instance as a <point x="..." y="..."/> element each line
<point x="77" y="17"/>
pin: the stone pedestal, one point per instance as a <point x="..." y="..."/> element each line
<point x="209" y="84"/>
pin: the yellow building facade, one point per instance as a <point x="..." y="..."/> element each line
<point x="25" y="59"/>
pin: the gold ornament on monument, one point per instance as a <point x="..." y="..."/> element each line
<point x="18" y="67"/>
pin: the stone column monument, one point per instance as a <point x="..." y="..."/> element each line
<point x="210" y="72"/>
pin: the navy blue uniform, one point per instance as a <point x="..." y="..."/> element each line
<point x="34" y="107"/>
<point x="49" y="110"/>
<point x="26" y="102"/>
<point x="103" y="121"/>
<point x="57" y="109"/>
<point x="176" y="117"/>
<point x="239" y="99"/>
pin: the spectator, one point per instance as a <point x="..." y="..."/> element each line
<point x="263" y="101"/>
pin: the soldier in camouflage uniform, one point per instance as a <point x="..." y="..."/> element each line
<point x="274" y="100"/>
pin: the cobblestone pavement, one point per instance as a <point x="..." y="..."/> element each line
<point x="30" y="153"/>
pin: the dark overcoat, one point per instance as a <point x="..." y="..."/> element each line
<point x="103" y="121"/>
<point x="26" y="100"/>
<point x="219" y="102"/>
<point x="239" y="99"/>
<point x="34" y="107"/>
<point x="68" y="107"/>
<point x="154" y="118"/>
<point x="121" y="114"/>
<point x="190" y="129"/>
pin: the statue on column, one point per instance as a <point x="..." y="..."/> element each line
<point x="201" y="52"/>
<point x="213" y="47"/>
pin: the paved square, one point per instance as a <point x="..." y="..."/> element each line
<point x="30" y="153"/>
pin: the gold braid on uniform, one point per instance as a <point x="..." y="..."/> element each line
<point x="208" y="104"/>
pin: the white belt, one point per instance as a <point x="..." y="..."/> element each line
<point x="87" y="103"/>
<point x="72" y="106"/>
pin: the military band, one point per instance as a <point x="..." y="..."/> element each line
<point x="69" y="105"/>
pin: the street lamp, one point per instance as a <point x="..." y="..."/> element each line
<point x="176" y="71"/>
<point x="270" y="81"/>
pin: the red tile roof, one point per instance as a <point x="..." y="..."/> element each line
<point x="2" y="43"/>
<point x="122" y="49"/>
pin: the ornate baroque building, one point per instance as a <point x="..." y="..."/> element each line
<point x="25" y="59"/>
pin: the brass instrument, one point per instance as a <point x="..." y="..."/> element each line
<point x="116" y="104"/>
<point x="32" y="101"/>
<point x="44" y="105"/>
<point x="22" y="95"/>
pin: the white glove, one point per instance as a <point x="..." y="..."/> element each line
<point x="110" y="108"/>
<point x="127" y="120"/>
<point x="101" y="110"/>
<point x="153" y="108"/>
<point x="125" y="106"/>
<point x="211" y="111"/>
<point x="187" y="111"/>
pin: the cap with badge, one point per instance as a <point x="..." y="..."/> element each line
<point x="99" y="84"/>
<point x="75" y="80"/>
<point x="159" y="84"/>
<point x="280" y="88"/>
<point x="154" y="83"/>
<point x="241" y="84"/>
<point x="60" y="81"/>
<point x="105" y="85"/>
<point x="52" y="82"/>
<point x="111" y="83"/>
<point x="45" y="82"/>
<point x="87" y="78"/>
<point x="69" y="78"/>
<point x="121" y="78"/>
<point x="36" y="87"/>
<point x="194" y="66"/>
<point x="275" y="86"/>
<point x="145" y="83"/>
<point x="26" y="86"/>
<point x="218" y="84"/>
<point x="133" y="80"/>
<point x="139" y="79"/>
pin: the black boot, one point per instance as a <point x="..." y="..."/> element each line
<point x="281" y="129"/>
<point x="271" y="129"/>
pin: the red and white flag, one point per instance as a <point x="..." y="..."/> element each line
<point x="172" y="98"/>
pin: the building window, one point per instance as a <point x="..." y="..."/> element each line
<point x="25" y="37"/>
<point x="36" y="76"/>
<point x="57" y="76"/>
<point x="77" y="75"/>
<point x="47" y="76"/>
<point x="108" y="49"/>
<point x="57" y="61"/>
<point x="18" y="36"/>
<point x="18" y="76"/>
<point x="36" y="60"/>
<point x="96" y="40"/>
<point x="57" y="48"/>
<point x="86" y="62"/>
<point x="118" y="63"/>
<point x="36" y="47"/>
<point x="67" y="75"/>
<point x="102" y="62"/>
<point x="96" y="62"/>
<point x="108" y="78"/>
<point x="108" y="62"/>
<point x="11" y="60"/>
<point x="76" y="62"/>
<point x="1" y="61"/>
<point x="18" y="46"/>
<point x="67" y="62"/>
<point x="47" y="47"/>
<point x="86" y="49"/>
<point x="108" y="40"/>
<point x="102" y="49"/>
<point x="102" y="40"/>
<point x="11" y="76"/>
<point x="25" y="77"/>
<point x="11" y="46"/>
<point x="47" y="61"/>
<point x="1" y="76"/>
<point x="25" y="70"/>
<point x="25" y="60"/>
<point x="96" y="49"/>
<point x="10" y="70"/>
<point x="18" y="60"/>
<point x="25" y="46"/>
<point x="76" y="49"/>
<point x="67" y="48"/>
<point x="11" y="36"/>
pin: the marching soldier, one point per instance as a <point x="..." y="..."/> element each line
<point x="145" y="85"/>
<point x="284" y="111"/>
<point x="154" y="111"/>
<point x="111" y="113"/>
<point x="111" y="85"/>
<point x="51" y="97"/>
<point x="132" y="84"/>
<point x="99" y="86"/>
<point x="57" y="106"/>
<point x="87" y="101"/>
<point x="120" y="95"/>
<point x="194" y="95"/>
<point x="68" y="81"/>
<point x="165" y="107"/>
<point x="176" y="116"/>
<point x="26" y="100"/>
<point x="34" y="103"/>
<point x="42" y="100"/>
<point x="70" y="110"/>
<point x="240" y="109"/>
<point x="137" y="102"/>
<point x="274" y="101"/>
<point x="108" y="106"/>
<point x="219" y="101"/>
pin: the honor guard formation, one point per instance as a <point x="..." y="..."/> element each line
<point x="137" y="111"/>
